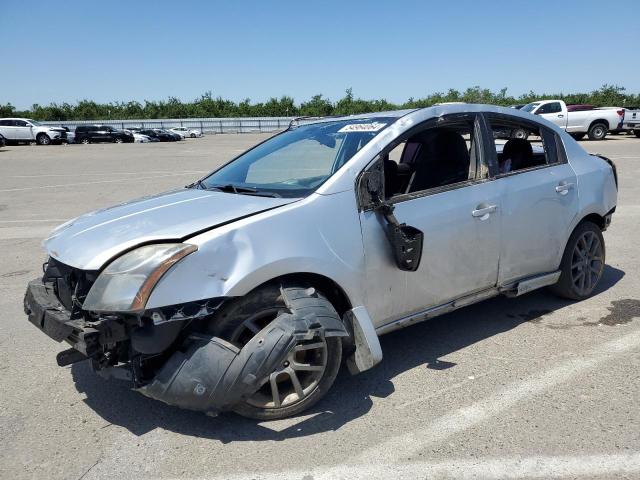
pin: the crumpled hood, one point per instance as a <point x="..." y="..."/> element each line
<point x="89" y="241"/>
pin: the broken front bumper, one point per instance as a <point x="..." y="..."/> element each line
<point x="47" y="313"/>
<point x="201" y="372"/>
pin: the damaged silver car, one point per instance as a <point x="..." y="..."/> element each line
<point x="245" y="290"/>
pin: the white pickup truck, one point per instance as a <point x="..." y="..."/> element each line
<point x="27" y="131"/>
<point x="595" y="123"/>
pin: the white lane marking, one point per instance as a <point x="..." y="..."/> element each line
<point x="411" y="443"/>
<point x="46" y="220"/>
<point x="543" y="467"/>
<point x="99" y="174"/>
<point x="13" y="233"/>
<point x="91" y="183"/>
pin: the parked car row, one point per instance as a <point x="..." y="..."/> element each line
<point x="22" y="130"/>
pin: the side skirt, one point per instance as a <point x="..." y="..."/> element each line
<point x="513" y="289"/>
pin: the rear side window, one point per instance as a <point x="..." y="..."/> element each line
<point x="19" y="123"/>
<point x="522" y="145"/>
<point x="5" y="123"/>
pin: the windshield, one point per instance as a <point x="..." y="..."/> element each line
<point x="296" y="162"/>
<point x="529" y="107"/>
<point x="33" y="122"/>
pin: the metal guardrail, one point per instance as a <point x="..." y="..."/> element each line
<point x="205" y="125"/>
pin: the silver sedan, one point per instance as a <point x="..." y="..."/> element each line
<point x="246" y="289"/>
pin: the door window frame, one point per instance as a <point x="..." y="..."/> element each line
<point x="492" y="154"/>
<point x="479" y="146"/>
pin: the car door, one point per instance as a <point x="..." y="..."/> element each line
<point x="539" y="204"/>
<point x="22" y="130"/>
<point x="460" y="222"/>
<point x="553" y="112"/>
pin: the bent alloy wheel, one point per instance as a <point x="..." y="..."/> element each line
<point x="582" y="263"/>
<point x="309" y="369"/>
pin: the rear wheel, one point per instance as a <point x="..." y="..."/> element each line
<point x="636" y="133"/>
<point x="520" y="133"/>
<point x="597" y="131"/>
<point x="309" y="370"/>
<point x="43" y="139"/>
<point x="85" y="141"/>
<point x="582" y="263"/>
<point x="117" y="140"/>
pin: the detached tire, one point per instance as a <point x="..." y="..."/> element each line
<point x="308" y="372"/>
<point x="43" y="139"/>
<point x="582" y="263"/>
<point x="597" y="131"/>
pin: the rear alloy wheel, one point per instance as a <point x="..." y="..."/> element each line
<point x="85" y="141"/>
<point x="43" y="139"/>
<point x="520" y="133"/>
<point x="117" y="140"/>
<point x="310" y="368"/>
<point x="597" y="131"/>
<point x="582" y="263"/>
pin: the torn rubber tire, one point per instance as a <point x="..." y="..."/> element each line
<point x="296" y="389"/>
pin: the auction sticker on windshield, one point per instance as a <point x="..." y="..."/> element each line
<point x="362" y="127"/>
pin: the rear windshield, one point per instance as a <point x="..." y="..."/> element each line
<point x="298" y="161"/>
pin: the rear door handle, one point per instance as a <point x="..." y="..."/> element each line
<point x="483" y="211"/>
<point x="564" y="187"/>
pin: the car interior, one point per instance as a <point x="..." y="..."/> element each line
<point x="444" y="155"/>
<point x="433" y="158"/>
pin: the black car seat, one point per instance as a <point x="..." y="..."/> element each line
<point x="520" y="152"/>
<point x="442" y="160"/>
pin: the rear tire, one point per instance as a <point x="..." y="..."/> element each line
<point x="520" y="133"/>
<point x="43" y="139"/>
<point x="582" y="263"/>
<point x="597" y="131"/>
<point x="85" y="141"/>
<point x="241" y="319"/>
<point x="636" y="133"/>
<point x="117" y="140"/>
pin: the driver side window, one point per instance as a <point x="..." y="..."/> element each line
<point x="433" y="159"/>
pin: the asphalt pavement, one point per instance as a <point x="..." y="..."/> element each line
<point x="528" y="387"/>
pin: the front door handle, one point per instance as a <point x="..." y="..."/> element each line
<point x="483" y="211"/>
<point x="564" y="187"/>
<point x="560" y="115"/>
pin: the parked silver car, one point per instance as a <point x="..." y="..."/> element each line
<point x="244" y="290"/>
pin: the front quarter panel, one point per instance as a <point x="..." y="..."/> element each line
<point x="320" y="235"/>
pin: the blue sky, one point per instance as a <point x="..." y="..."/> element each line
<point x="136" y="50"/>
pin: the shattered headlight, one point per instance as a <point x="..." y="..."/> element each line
<point x="127" y="282"/>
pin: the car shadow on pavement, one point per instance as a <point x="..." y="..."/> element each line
<point x="351" y="396"/>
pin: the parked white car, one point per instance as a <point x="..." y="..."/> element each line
<point x="27" y="130"/>
<point x="186" y="132"/>
<point x="139" y="138"/>
<point x="244" y="290"/>
<point x="595" y="123"/>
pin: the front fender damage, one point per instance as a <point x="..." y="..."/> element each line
<point x="212" y="375"/>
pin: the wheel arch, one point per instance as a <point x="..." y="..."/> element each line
<point x="329" y="287"/>
<point x="600" y="120"/>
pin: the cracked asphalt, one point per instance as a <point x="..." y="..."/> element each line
<point x="533" y="387"/>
